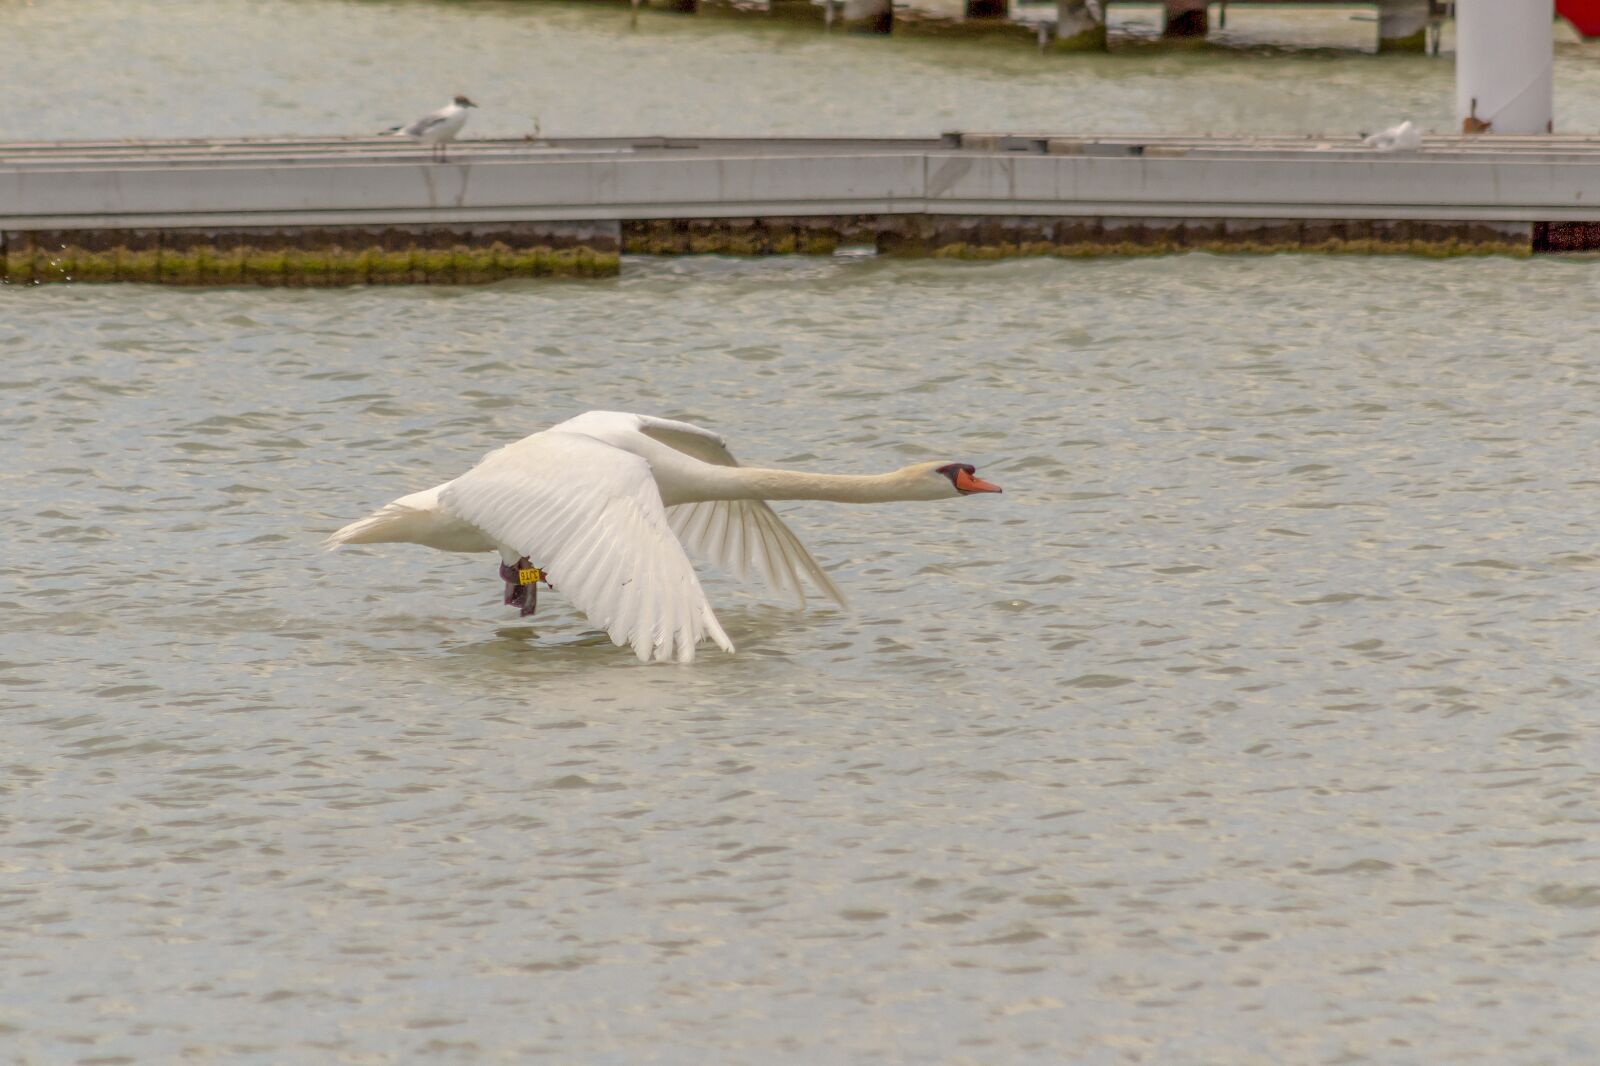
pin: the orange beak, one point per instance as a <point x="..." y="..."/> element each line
<point x="965" y="482"/>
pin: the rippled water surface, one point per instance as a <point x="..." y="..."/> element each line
<point x="1254" y="724"/>
<point x="110" y="68"/>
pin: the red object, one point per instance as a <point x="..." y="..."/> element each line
<point x="1583" y="14"/>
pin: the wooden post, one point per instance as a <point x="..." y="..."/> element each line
<point x="867" y="16"/>
<point x="1403" y="25"/>
<point x="1185" y="18"/>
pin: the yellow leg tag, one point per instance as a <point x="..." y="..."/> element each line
<point x="531" y="576"/>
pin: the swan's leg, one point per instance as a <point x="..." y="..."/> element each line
<point x="516" y="593"/>
<point x="525" y="597"/>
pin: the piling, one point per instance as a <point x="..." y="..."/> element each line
<point x="859" y="16"/>
<point x="1504" y="66"/>
<point x="1077" y="28"/>
<point x="960" y="18"/>
<point x="1403" y="25"/>
<point x="1184" y="19"/>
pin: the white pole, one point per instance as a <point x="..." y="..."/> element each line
<point x="1504" y="54"/>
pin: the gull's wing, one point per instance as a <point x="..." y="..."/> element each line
<point x="591" y="516"/>
<point x="423" y="124"/>
<point x="738" y="535"/>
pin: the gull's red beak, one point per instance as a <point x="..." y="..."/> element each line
<point x="965" y="482"/>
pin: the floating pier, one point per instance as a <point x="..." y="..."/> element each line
<point x="378" y="211"/>
<point x="1060" y="25"/>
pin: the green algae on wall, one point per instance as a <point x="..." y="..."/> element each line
<point x="1004" y="237"/>
<point x="475" y="255"/>
<point x="1105" y="249"/>
<point x="308" y="268"/>
<point x="820" y="235"/>
<point x="309" y="257"/>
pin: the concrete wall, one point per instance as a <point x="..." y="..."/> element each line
<point x="826" y="180"/>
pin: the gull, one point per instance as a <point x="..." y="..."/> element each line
<point x="604" y="506"/>
<point x="437" y="128"/>
<point x="1402" y="138"/>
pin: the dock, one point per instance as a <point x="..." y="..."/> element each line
<point x="339" y="211"/>
<point x="1067" y="25"/>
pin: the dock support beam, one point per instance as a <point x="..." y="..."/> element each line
<point x="961" y="18"/>
<point x="1403" y="25"/>
<point x="1185" y="18"/>
<point x="863" y="16"/>
<point x="1077" y="29"/>
<point x="1504" y="53"/>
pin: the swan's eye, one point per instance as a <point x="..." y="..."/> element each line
<point x="950" y="470"/>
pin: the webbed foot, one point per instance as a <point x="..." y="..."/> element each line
<point x="518" y="594"/>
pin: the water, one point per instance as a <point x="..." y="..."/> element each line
<point x="1253" y="724"/>
<point x="100" y="68"/>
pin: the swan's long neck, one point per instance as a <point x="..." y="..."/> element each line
<point x="756" y="483"/>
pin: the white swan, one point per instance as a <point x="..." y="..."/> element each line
<point x="437" y="128"/>
<point x="605" y="503"/>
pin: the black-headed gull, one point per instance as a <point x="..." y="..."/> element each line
<point x="437" y="128"/>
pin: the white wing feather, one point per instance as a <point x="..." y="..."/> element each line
<point x="590" y="515"/>
<point x="740" y="536"/>
<point x="745" y="536"/>
<point x="424" y="124"/>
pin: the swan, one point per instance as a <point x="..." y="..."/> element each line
<point x="607" y="502"/>
<point x="437" y="128"/>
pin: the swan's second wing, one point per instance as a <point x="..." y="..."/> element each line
<point x="590" y="515"/>
<point x="688" y="438"/>
<point x="616" y="427"/>
<point x="742" y="536"/>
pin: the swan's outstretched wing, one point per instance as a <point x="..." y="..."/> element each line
<point x="740" y="536"/>
<point x="616" y="427"/>
<point x="689" y="439"/>
<point x="591" y="516"/>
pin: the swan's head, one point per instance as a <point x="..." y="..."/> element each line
<point x="941" y="480"/>
<point x="462" y="101"/>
